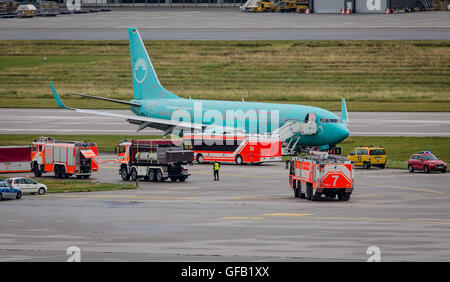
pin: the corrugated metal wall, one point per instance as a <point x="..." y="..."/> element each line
<point x="402" y="4"/>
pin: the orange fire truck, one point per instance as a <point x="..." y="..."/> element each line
<point x="321" y="174"/>
<point x="64" y="158"/>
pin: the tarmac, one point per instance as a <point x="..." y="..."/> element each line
<point x="58" y="121"/>
<point x="249" y="215"/>
<point x="209" y="23"/>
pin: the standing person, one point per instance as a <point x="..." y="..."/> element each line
<point x="216" y="167"/>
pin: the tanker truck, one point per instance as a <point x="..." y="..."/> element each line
<point x="153" y="160"/>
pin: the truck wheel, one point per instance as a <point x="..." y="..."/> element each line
<point x="63" y="173"/>
<point x="159" y="177"/>
<point x="238" y="160"/>
<point x="36" y="170"/>
<point x="366" y="165"/>
<point x="151" y="175"/>
<point x="57" y="172"/>
<point x="200" y="159"/>
<point x="124" y="174"/>
<point x="296" y="193"/>
<point x="410" y="169"/>
<point x="343" y="196"/>
<point x="133" y="174"/>
<point x="309" y="192"/>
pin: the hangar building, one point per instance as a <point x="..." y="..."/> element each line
<point x="362" y="6"/>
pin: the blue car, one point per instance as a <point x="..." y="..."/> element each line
<point x="8" y="192"/>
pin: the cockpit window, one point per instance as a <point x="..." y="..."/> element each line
<point x="330" y="120"/>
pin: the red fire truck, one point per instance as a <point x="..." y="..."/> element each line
<point x="234" y="148"/>
<point x="154" y="160"/>
<point x="64" y="158"/>
<point x="321" y="174"/>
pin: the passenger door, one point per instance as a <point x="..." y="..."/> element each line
<point x="19" y="183"/>
<point x="352" y="156"/>
<point x="8" y="192"/>
<point x="414" y="161"/>
<point x="32" y="185"/>
<point x="364" y="156"/>
<point x="359" y="156"/>
<point x="309" y="126"/>
<point x="419" y="162"/>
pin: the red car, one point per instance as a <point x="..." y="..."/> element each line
<point x="427" y="162"/>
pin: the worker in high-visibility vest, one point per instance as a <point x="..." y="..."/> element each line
<point x="216" y="167"/>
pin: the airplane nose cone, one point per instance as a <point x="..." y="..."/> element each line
<point x="346" y="132"/>
<point x="342" y="132"/>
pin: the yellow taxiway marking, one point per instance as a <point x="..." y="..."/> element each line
<point x="112" y="167"/>
<point x="242" y="217"/>
<point x="287" y="214"/>
<point x="122" y="197"/>
<point x="402" y="187"/>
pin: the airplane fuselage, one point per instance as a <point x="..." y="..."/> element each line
<point x="329" y="133"/>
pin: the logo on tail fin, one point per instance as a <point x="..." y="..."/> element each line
<point x="140" y="70"/>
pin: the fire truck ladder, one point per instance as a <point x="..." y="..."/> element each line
<point x="249" y="3"/>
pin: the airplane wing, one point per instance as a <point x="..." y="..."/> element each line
<point x="162" y="124"/>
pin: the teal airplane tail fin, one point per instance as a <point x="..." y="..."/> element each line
<point x="146" y="84"/>
<point x="344" y="114"/>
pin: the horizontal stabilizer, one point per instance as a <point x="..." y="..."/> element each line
<point x="162" y="124"/>
<point x="106" y="99"/>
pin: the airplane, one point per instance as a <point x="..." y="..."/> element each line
<point x="154" y="107"/>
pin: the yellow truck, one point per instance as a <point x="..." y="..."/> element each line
<point x="286" y="6"/>
<point x="368" y="156"/>
<point x="302" y="6"/>
<point x="262" y="7"/>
